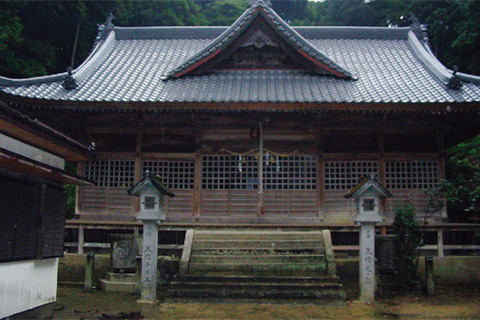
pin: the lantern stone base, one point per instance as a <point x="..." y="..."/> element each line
<point x="145" y="301"/>
<point x="118" y="282"/>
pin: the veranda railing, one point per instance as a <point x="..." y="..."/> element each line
<point x="440" y="240"/>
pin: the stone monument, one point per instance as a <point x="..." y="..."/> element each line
<point x="151" y="191"/>
<point x="367" y="195"/>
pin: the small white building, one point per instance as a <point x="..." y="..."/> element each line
<point x="32" y="215"/>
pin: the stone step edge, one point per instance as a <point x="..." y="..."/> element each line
<point x="259" y="240"/>
<point x="293" y="286"/>
<point x="248" y="294"/>
<point x="272" y="301"/>
<point x="202" y="277"/>
<point x="255" y="256"/>
<point x="113" y="276"/>
<point x="287" y="265"/>
<point x="123" y="283"/>
<point x="235" y="232"/>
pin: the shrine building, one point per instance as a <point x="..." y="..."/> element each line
<point x="258" y="122"/>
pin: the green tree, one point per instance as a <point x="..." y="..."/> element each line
<point x="16" y="54"/>
<point x="224" y="13"/>
<point x="37" y="37"/>
<point x="291" y="10"/>
<point x="408" y="239"/>
<point x="158" y="13"/>
<point x="462" y="189"/>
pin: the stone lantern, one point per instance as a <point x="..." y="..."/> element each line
<point x="367" y="195"/>
<point x="151" y="191"/>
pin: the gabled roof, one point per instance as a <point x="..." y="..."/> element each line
<point x="128" y="67"/>
<point x="154" y="181"/>
<point x="368" y="184"/>
<point x="308" y="54"/>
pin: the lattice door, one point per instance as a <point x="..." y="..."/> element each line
<point x="230" y="185"/>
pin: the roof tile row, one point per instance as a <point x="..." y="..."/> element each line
<point x="388" y="71"/>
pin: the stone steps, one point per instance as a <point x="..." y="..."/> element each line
<point x="260" y="286"/>
<point x="285" y="268"/>
<point x="271" y="265"/>
<point x="320" y="296"/>
<point x="259" y="258"/>
<point x="238" y="244"/>
<point x="265" y="278"/>
<point x="263" y="236"/>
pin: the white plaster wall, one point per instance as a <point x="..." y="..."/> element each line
<point x="31" y="152"/>
<point x="27" y="284"/>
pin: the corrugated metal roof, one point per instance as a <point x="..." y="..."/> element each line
<point x="130" y="65"/>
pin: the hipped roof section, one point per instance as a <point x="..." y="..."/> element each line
<point x="126" y="70"/>
<point x="318" y="62"/>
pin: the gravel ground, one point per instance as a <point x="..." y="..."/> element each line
<point x="461" y="302"/>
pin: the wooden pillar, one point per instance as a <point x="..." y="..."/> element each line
<point x="197" y="186"/>
<point x="261" y="209"/>
<point x="79" y="189"/>
<point x="320" y="174"/>
<point x="382" y="174"/>
<point x="441" y="163"/>
<point x="137" y="175"/>
<point x="321" y="187"/>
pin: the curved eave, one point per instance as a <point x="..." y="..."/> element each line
<point x="120" y="107"/>
<point x="435" y="66"/>
<point x="97" y="54"/>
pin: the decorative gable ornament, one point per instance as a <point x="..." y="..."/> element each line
<point x="454" y="82"/>
<point x="69" y="83"/>
<point x="260" y="39"/>
<point x="367" y="194"/>
<point x="151" y="191"/>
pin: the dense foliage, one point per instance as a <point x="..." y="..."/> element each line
<point x="40" y="37"/>
<point x="408" y="239"/>
<point x="463" y="188"/>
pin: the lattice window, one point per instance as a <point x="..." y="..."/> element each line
<point x="111" y="173"/>
<point x="412" y="174"/>
<point x="244" y="176"/>
<point x="175" y="175"/>
<point x="229" y="172"/>
<point x="294" y="172"/>
<point x="344" y="175"/>
<point x="234" y="172"/>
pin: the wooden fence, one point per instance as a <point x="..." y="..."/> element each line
<point x="440" y="240"/>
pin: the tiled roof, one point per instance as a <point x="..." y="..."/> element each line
<point x="260" y="8"/>
<point x="130" y="65"/>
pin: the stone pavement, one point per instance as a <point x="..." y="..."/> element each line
<point x="462" y="302"/>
